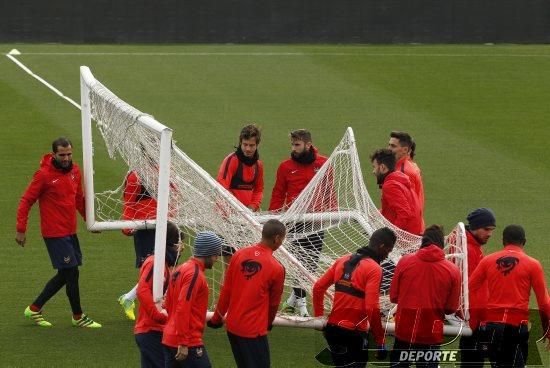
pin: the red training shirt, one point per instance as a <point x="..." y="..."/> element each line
<point x="510" y="274"/>
<point x="138" y="204"/>
<point x="186" y="304"/>
<point x="59" y="196"/>
<point x="251" y="292"/>
<point x="425" y="287"/>
<point x="408" y="167"/>
<point x="348" y="311"/>
<point x="246" y="195"/>
<point x="149" y="317"/>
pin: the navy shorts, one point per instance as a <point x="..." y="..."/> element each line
<point x="144" y="244"/>
<point x="64" y="252"/>
<point x="150" y="347"/>
<point x="197" y="358"/>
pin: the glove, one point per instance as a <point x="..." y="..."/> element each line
<point x="381" y="352"/>
<point x="214" y="325"/>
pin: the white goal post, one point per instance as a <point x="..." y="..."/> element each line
<point x="333" y="216"/>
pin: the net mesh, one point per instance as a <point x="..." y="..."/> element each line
<point x="333" y="216"/>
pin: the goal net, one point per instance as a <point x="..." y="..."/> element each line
<point x="333" y="216"/>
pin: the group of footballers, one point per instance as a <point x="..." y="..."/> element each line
<point x="425" y="285"/>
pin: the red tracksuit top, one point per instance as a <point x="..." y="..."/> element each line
<point x="408" y="167"/>
<point x="149" y="317"/>
<point x="249" y="192"/>
<point x="425" y="287"/>
<point x="186" y="304"/>
<point x="138" y="204"/>
<point x="477" y="298"/>
<point x="510" y="274"/>
<point x="400" y="203"/>
<point x="292" y="178"/>
<point x="251" y="292"/>
<point x="59" y="196"/>
<point x="349" y="311"/>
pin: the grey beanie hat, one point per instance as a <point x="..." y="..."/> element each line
<point x="207" y="244"/>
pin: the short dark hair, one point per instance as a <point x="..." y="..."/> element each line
<point x="513" y="234"/>
<point x="273" y="228"/>
<point x="405" y="139"/>
<point x="173" y="234"/>
<point x="433" y="235"/>
<point x="384" y="156"/>
<point x="250" y="131"/>
<point x="61" y="142"/>
<point x="384" y="235"/>
<point x="301" y="134"/>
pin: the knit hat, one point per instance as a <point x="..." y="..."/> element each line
<point x="207" y="244"/>
<point x="481" y="217"/>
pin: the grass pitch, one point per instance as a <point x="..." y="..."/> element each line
<point x="479" y="114"/>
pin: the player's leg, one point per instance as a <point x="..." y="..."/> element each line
<point x="399" y="354"/>
<point x="471" y="353"/>
<point x="144" y="246"/>
<point x="150" y="347"/>
<point x="343" y="346"/>
<point x="197" y="358"/>
<point x="250" y="352"/>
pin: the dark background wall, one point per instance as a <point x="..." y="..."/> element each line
<point x="343" y="21"/>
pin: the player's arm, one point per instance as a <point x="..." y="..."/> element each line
<point x="186" y="299"/>
<point x="79" y="200"/>
<point x="31" y="195"/>
<point x="453" y="299"/>
<point x="223" y="302"/>
<point x="275" y="293"/>
<point x="258" y="190"/>
<point x="372" y="304"/>
<point x="226" y="171"/>
<point x="320" y="288"/>
<point x="132" y="189"/>
<point x="538" y="283"/>
<point x="145" y="293"/>
<point x="278" y="194"/>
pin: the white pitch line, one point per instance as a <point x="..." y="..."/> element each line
<point x="41" y="80"/>
<point x="281" y="54"/>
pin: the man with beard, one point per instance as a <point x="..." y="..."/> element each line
<point x="186" y="303"/>
<point x="293" y="175"/>
<point x="400" y="204"/>
<point x="57" y="186"/>
<point x="481" y="224"/>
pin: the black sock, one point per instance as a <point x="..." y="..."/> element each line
<point x="51" y="288"/>
<point x="72" y="288"/>
<point x="300" y="293"/>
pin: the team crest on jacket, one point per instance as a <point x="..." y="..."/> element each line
<point x="506" y="264"/>
<point x="67" y="259"/>
<point x="199" y="352"/>
<point x="250" y="268"/>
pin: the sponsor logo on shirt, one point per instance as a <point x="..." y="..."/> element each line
<point x="506" y="264"/>
<point x="250" y="268"/>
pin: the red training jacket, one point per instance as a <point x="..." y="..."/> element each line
<point x="138" y="204"/>
<point x="400" y="203"/>
<point x="149" y="317"/>
<point x="479" y="297"/>
<point x="408" y="167"/>
<point x="186" y="304"/>
<point x="251" y="292"/>
<point x="425" y="287"/>
<point x="292" y="178"/>
<point x="249" y="193"/>
<point x="349" y="311"/>
<point x="510" y="274"/>
<point x="59" y="196"/>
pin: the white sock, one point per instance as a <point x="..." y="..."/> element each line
<point x="291" y="299"/>
<point x="131" y="295"/>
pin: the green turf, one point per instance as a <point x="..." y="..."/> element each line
<point x="479" y="114"/>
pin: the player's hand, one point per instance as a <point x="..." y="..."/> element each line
<point x="183" y="352"/>
<point x="20" y="238"/>
<point x="214" y="325"/>
<point x="381" y="352"/>
<point x="128" y="232"/>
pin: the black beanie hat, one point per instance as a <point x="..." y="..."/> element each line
<point x="481" y="217"/>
